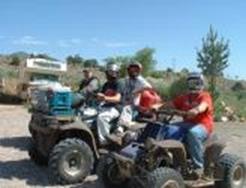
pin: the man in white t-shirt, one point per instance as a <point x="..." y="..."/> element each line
<point x="133" y="85"/>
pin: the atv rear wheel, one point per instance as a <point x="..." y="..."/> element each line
<point x="108" y="174"/>
<point x="165" y="178"/>
<point x="234" y="172"/>
<point x="70" y="161"/>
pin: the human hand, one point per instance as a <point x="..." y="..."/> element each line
<point x="157" y="106"/>
<point x="192" y="113"/>
<point x="101" y="97"/>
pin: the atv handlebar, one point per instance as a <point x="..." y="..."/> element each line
<point x="172" y="112"/>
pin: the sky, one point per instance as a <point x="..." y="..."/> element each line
<point x="105" y="28"/>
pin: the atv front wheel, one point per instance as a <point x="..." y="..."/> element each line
<point x="234" y="172"/>
<point x="108" y="173"/>
<point x="70" y="161"/>
<point x="36" y="156"/>
<point x="165" y="178"/>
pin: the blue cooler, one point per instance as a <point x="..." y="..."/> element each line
<point x="60" y="104"/>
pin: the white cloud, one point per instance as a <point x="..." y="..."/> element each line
<point x="109" y="44"/>
<point x="76" y="41"/>
<point x="63" y="44"/>
<point x="95" y="40"/>
<point x="119" y="44"/>
<point x="29" y="40"/>
<point x="69" y="43"/>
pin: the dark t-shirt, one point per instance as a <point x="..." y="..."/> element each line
<point x="111" y="89"/>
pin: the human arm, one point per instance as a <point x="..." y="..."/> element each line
<point x="141" y="85"/>
<point x="113" y="99"/>
<point x="110" y="99"/>
<point x="92" y="86"/>
<point x="110" y="93"/>
<point x="202" y="107"/>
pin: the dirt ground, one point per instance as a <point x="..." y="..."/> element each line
<point x="16" y="169"/>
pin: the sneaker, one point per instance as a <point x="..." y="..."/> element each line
<point x="119" y="130"/>
<point x="198" y="173"/>
<point x="206" y="178"/>
<point x="115" y="138"/>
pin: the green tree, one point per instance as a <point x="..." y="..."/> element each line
<point x="184" y="71"/>
<point x="15" y="61"/>
<point x="91" y="63"/>
<point x="145" y="56"/>
<point x="75" y="60"/>
<point x="238" y="86"/>
<point x="213" y="59"/>
<point x="178" y="87"/>
<point x="122" y="61"/>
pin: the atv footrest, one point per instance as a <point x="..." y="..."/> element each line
<point x="199" y="183"/>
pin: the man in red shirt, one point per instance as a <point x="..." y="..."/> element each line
<point x="197" y="124"/>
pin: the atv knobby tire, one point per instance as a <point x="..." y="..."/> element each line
<point x="165" y="178"/>
<point x="234" y="172"/>
<point x="71" y="160"/>
<point x="107" y="173"/>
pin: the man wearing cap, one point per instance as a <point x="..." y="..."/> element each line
<point x="133" y="86"/>
<point x="89" y="84"/>
<point x="88" y="87"/>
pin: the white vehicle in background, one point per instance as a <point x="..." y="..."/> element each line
<point x="39" y="73"/>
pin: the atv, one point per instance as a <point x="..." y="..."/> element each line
<point x="64" y="137"/>
<point x="157" y="163"/>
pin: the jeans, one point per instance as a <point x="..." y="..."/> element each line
<point x="193" y="135"/>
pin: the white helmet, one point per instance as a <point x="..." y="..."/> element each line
<point x="195" y="81"/>
<point x="112" y="70"/>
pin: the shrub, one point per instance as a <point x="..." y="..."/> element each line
<point x="157" y="74"/>
<point x="238" y="86"/>
<point x="8" y="73"/>
<point x="178" y="87"/>
<point x="163" y="91"/>
<point x="218" y="109"/>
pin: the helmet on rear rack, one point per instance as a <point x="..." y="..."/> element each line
<point x="195" y="81"/>
<point x="134" y="68"/>
<point x="112" y="71"/>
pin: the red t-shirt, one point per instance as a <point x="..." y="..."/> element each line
<point x="189" y="101"/>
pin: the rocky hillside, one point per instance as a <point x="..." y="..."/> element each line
<point x="10" y="66"/>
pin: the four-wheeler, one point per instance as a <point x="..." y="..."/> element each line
<point x="61" y="139"/>
<point x="151" y="162"/>
<point x="64" y="136"/>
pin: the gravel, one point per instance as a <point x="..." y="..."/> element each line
<point x="17" y="170"/>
